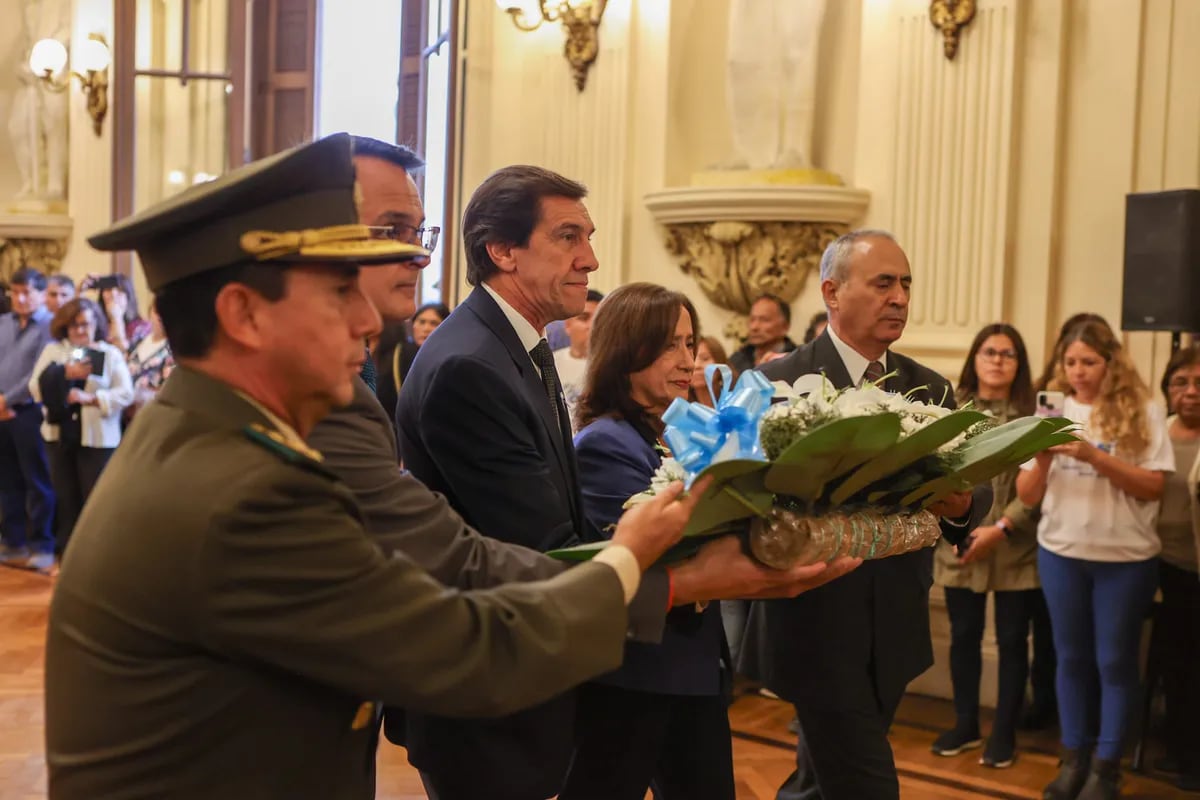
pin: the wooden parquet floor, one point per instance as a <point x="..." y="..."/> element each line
<point x="762" y="746"/>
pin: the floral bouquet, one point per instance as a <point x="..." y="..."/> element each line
<point x="828" y="472"/>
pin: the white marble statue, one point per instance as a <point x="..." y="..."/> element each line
<point x="772" y="80"/>
<point x="37" y="122"/>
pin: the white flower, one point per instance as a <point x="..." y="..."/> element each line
<point x="667" y="473"/>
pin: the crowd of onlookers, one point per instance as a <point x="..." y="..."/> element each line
<point x="75" y="367"/>
<point x="1075" y="548"/>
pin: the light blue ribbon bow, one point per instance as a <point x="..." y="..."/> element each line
<point x="699" y="436"/>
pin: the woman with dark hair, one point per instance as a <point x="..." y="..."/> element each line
<point x="1177" y="625"/>
<point x="1000" y="557"/>
<point x="83" y="384"/>
<point x="816" y="326"/>
<point x="708" y="351"/>
<point x="398" y="346"/>
<point x="661" y="718"/>
<point x="1098" y="550"/>
<point x="118" y="298"/>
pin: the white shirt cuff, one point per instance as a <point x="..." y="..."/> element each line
<point x="625" y="564"/>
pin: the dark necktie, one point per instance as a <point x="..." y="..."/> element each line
<point x="368" y="371"/>
<point x="543" y="357"/>
<point x="874" y="372"/>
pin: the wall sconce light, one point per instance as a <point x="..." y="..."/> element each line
<point x="48" y="60"/>
<point x="580" y="19"/>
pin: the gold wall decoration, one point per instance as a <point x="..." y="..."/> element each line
<point x="33" y="240"/>
<point x="44" y="255"/>
<point x="581" y="23"/>
<point x="950" y="17"/>
<point x="735" y="262"/>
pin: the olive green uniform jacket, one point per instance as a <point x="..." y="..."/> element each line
<point x="222" y="622"/>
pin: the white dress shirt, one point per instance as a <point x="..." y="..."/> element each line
<point x="620" y="558"/>
<point x="854" y="361"/>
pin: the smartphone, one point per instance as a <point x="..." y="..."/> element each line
<point x="107" y="282"/>
<point x="1050" y="404"/>
<point x="95" y="357"/>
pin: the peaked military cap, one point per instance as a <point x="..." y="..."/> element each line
<point x="300" y="206"/>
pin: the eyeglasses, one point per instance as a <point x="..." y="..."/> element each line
<point x="426" y="237"/>
<point x="1003" y="355"/>
<point x="1181" y="384"/>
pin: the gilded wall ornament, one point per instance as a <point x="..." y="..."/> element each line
<point x="44" y="255"/>
<point x="734" y="262"/>
<point x="950" y="17"/>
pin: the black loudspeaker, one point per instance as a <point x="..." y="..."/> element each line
<point x="1162" y="262"/>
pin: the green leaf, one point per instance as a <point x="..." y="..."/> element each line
<point x="580" y="552"/>
<point x="827" y="452"/>
<point x="904" y="452"/>
<point x="992" y="453"/>
<point x="680" y="551"/>
<point x="732" y="499"/>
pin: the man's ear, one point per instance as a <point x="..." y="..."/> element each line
<point x="829" y="289"/>
<point x="238" y="310"/>
<point x="502" y="255"/>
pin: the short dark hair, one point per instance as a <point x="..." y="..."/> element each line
<point x="441" y="309"/>
<point x="784" y="308"/>
<point x="28" y="276"/>
<point x="506" y="208"/>
<point x="125" y="284"/>
<point x="819" y="318"/>
<point x="398" y="154"/>
<point x="1021" y="393"/>
<point x="594" y="296"/>
<point x="188" y="309"/>
<point x="60" y="325"/>
<point x="58" y="279"/>
<point x="1183" y="357"/>
<point x="632" y="327"/>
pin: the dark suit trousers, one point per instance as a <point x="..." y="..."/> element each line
<point x="629" y="740"/>
<point x="74" y="471"/>
<point x="843" y="753"/>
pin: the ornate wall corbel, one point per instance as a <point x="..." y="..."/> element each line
<point x="738" y="244"/>
<point x="39" y="242"/>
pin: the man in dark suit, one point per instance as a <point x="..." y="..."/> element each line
<point x="843" y="654"/>
<point x="483" y="422"/>
<point x="222" y="626"/>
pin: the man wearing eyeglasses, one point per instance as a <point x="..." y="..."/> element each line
<point x="406" y="517"/>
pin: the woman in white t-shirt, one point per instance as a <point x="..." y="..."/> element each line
<point x="1098" y="548"/>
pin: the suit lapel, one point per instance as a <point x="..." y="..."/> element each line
<point x="826" y="359"/>
<point x="489" y="313"/>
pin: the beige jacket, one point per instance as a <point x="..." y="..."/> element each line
<point x="1012" y="566"/>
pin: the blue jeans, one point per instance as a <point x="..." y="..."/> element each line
<point x="1097" y="609"/>
<point x="26" y="494"/>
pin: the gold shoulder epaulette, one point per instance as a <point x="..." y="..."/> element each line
<point x="296" y="453"/>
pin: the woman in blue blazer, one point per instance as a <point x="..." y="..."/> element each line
<point x="661" y="718"/>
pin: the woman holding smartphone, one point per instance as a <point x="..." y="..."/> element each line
<point x="1098" y="550"/>
<point x="83" y="384"/>
<point x="1000" y="557"/>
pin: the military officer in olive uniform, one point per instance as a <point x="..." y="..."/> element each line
<point x="223" y="627"/>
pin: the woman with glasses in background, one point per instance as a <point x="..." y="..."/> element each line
<point x="83" y="384"/>
<point x="1177" y="625"/>
<point x="1000" y="557"/>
